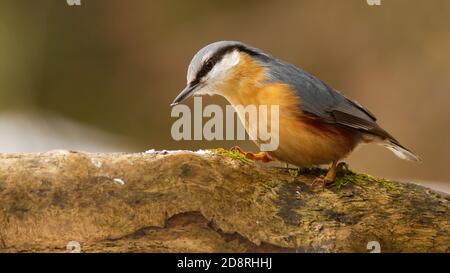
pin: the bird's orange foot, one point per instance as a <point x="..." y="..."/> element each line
<point x="323" y="181"/>
<point x="328" y="180"/>
<point x="261" y="156"/>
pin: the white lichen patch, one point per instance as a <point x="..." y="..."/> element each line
<point x="203" y="152"/>
<point x="168" y="152"/>
<point x="96" y="163"/>
<point x="165" y="152"/>
<point x="59" y="152"/>
<point x="119" y="181"/>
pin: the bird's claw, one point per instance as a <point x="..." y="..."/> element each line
<point x="328" y="180"/>
<point x="323" y="181"/>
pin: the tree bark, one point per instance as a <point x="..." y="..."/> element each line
<point x="207" y="201"/>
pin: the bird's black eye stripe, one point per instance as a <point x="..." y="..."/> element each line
<point x="213" y="60"/>
<point x="208" y="66"/>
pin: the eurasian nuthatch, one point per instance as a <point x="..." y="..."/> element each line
<point x="317" y="124"/>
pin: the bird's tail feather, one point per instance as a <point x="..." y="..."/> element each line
<point x="400" y="151"/>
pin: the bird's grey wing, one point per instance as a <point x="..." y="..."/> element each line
<point x="325" y="103"/>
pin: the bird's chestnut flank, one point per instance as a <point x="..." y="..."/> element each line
<point x="317" y="124"/>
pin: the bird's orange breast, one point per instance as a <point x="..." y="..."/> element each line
<point x="303" y="139"/>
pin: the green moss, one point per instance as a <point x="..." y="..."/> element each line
<point x="388" y="185"/>
<point x="231" y="154"/>
<point x="293" y="172"/>
<point x="270" y="186"/>
<point x="346" y="177"/>
<point x="343" y="178"/>
<point x="185" y="169"/>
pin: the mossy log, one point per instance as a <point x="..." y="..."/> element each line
<point x="211" y="201"/>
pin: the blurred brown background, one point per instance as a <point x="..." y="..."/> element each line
<point x="101" y="76"/>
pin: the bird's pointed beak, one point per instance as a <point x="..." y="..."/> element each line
<point x="184" y="94"/>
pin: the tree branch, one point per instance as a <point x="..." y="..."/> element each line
<point x="207" y="201"/>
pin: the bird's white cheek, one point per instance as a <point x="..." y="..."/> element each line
<point x="207" y="89"/>
<point x="212" y="85"/>
<point x="222" y="69"/>
<point x="219" y="74"/>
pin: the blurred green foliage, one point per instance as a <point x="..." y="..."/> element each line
<point x="117" y="65"/>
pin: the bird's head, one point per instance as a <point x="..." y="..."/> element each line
<point x="213" y="65"/>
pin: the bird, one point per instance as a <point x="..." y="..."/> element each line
<point x="318" y="125"/>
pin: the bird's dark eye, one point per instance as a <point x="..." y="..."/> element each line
<point x="209" y="65"/>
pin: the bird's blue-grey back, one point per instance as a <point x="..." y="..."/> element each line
<point x="320" y="100"/>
